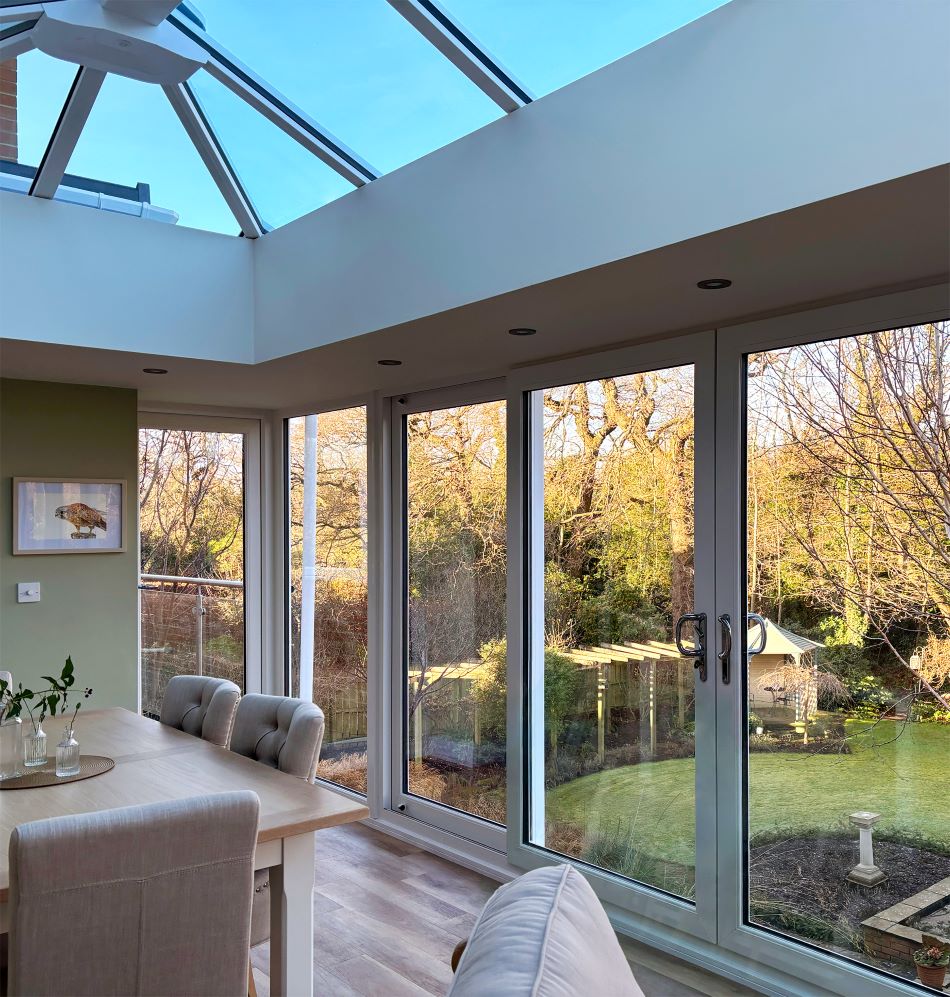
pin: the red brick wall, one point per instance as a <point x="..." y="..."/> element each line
<point x="8" y="129"/>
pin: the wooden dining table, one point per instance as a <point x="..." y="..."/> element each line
<point x="154" y="763"/>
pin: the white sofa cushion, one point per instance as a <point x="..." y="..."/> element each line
<point x="544" y="934"/>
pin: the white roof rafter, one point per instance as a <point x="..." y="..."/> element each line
<point x="457" y="45"/>
<point x="72" y="119"/>
<point x="247" y="85"/>
<point x="212" y="153"/>
<point x="20" y="12"/>
<point x="16" y="40"/>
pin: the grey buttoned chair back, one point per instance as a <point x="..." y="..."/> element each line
<point x="200" y="705"/>
<point x="151" y="899"/>
<point x="285" y="734"/>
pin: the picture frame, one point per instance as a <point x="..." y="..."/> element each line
<point x="69" y="515"/>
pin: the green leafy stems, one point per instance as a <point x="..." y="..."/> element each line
<point x="46" y="702"/>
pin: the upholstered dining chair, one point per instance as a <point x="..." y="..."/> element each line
<point x="285" y="734"/>
<point x="152" y="899"/>
<point x="200" y="705"/>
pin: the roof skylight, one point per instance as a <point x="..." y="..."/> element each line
<point x="554" y="42"/>
<point x="133" y="134"/>
<point x="390" y="80"/>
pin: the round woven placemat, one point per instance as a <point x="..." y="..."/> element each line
<point x="45" y="775"/>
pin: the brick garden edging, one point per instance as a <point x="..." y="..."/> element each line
<point x="888" y="937"/>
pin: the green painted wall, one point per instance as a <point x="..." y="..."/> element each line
<point x="89" y="602"/>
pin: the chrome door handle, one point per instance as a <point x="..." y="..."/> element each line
<point x="725" y="626"/>
<point x="751" y="652"/>
<point x="697" y="653"/>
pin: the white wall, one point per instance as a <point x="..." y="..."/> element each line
<point x="74" y="275"/>
<point x="761" y="106"/>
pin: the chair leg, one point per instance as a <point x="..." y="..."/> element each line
<point x="251" y="988"/>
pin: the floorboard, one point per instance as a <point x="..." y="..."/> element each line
<point x="387" y="916"/>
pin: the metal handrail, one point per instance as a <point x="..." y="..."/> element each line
<point x="223" y="582"/>
<point x="201" y="583"/>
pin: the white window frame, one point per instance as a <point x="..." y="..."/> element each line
<point x="256" y="487"/>
<point x="466" y="827"/>
<point x="526" y="617"/>
<point x="808" y="965"/>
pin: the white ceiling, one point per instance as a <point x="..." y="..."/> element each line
<point x="880" y="238"/>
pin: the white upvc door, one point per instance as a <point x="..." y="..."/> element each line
<point x="613" y="402"/>
<point x="809" y="967"/>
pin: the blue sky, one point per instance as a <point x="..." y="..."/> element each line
<point x="355" y="66"/>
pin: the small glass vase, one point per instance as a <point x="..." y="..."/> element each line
<point x="11" y="747"/>
<point x="34" y="746"/>
<point x="67" y="755"/>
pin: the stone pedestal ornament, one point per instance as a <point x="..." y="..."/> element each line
<point x="866" y="873"/>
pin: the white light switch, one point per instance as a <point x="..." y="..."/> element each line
<point x="28" y="592"/>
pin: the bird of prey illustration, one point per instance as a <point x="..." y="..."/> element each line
<point x="80" y="515"/>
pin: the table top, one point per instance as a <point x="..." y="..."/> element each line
<point x="155" y="763"/>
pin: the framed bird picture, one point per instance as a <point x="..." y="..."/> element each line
<point x="68" y="516"/>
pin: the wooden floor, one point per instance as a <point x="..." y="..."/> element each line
<point x="387" y="917"/>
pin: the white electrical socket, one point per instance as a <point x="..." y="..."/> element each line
<point x="28" y="592"/>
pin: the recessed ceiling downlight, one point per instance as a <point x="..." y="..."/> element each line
<point x="714" y="284"/>
<point x="522" y="331"/>
<point x="389" y="363"/>
<point x="154" y="370"/>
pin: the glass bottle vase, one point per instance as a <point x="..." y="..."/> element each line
<point x="67" y="754"/>
<point x="34" y="745"/>
<point x="11" y="747"/>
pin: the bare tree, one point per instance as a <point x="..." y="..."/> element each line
<point x="868" y="417"/>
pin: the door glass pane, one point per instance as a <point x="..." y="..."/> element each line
<point x="616" y="492"/>
<point x="848" y="521"/>
<point x="455" y="683"/>
<point x="191" y="522"/>
<point x="328" y="595"/>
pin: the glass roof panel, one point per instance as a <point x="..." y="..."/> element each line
<point x="282" y="179"/>
<point x="547" y="44"/>
<point x="134" y="136"/>
<point x="42" y="85"/>
<point x="359" y="69"/>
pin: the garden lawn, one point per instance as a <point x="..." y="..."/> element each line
<point x="901" y="772"/>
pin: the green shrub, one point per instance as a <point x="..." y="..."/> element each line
<point x="928" y="711"/>
<point x="869" y="698"/>
<point x="490" y="686"/>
